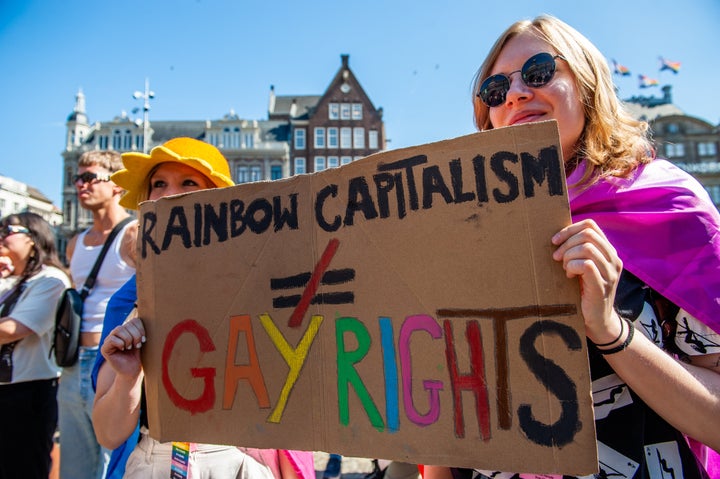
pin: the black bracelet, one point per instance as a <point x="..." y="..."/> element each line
<point x="622" y="330"/>
<point x="624" y="345"/>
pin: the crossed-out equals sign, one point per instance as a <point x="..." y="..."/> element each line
<point x="300" y="281"/>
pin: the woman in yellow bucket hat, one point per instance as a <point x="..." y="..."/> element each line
<point x="181" y="165"/>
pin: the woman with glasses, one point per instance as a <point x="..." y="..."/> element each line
<point x="28" y="373"/>
<point x="180" y="165"/>
<point x="644" y="244"/>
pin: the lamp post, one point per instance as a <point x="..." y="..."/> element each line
<point x="146" y="96"/>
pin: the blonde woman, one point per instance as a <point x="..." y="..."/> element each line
<point x="645" y="245"/>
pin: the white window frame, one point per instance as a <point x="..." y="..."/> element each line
<point x="333" y="111"/>
<point x="344" y="160"/>
<point x="346" y="137"/>
<point x="707" y="148"/>
<point x="357" y="111"/>
<point x="359" y="137"/>
<point x="333" y="162"/>
<point x="319" y="163"/>
<point x="300" y="166"/>
<point x="299" y="138"/>
<point x="243" y="174"/>
<point x="344" y="111"/>
<point x="319" y="137"/>
<point x="675" y="150"/>
<point x="373" y="140"/>
<point x="333" y="140"/>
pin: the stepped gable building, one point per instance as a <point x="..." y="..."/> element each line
<point x="691" y="143"/>
<point x="333" y="129"/>
<point x="302" y="134"/>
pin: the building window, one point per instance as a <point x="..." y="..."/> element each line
<point x="319" y="163"/>
<point x="707" y="148"/>
<point x="249" y="140"/>
<point x="345" y="137"/>
<point x="127" y="141"/>
<point x="344" y="111"/>
<point x="319" y="137"/>
<point x="357" y="111"/>
<point x="243" y="174"/>
<point x="256" y="173"/>
<point x="333" y="162"/>
<point x="103" y="142"/>
<point x="275" y="172"/>
<point x="334" y="111"/>
<point x="373" y="140"/>
<point x="674" y="150"/>
<point x="69" y="177"/>
<point x="139" y="142"/>
<point x="344" y="160"/>
<point x="300" y="139"/>
<point x="300" y="166"/>
<point x="117" y="140"/>
<point x="332" y="137"/>
<point x="673" y="128"/>
<point x="359" y="137"/>
<point x="231" y="138"/>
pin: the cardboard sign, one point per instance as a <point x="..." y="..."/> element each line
<point x="405" y="306"/>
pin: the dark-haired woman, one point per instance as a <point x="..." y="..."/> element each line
<point x="28" y="373"/>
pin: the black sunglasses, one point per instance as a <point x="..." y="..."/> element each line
<point x="8" y="230"/>
<point x="90" y="177"/>
<point x="535" y="73"/>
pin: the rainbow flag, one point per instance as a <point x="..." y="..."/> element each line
<point x="621" y="70"/>
<point x="647" y="82"/>
<point x="669" y="65"/>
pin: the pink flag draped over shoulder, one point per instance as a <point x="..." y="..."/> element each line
<point x="665" y="229"/>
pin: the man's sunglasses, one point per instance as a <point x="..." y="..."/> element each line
<point x="90" y="177"/>
<point x="8" y="230"/>
<point x="536" y="72"/>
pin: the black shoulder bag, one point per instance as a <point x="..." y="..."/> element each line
<point x="66" y="338"/>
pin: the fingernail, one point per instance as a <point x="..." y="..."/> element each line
<point x="143" y="339"/>
<point x="139" y="345"/>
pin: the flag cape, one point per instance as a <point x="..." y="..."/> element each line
<point x="665" y="229"/>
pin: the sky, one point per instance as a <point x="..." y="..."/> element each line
<point x="203" y="58"/>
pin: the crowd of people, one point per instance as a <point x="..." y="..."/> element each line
<point x="622" y="201"/>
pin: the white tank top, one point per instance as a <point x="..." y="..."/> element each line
<point x="114" y="272"/>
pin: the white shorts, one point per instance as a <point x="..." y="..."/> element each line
<point x="151" y="460"/>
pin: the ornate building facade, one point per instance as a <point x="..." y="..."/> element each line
<point x="691" y="143"/>
<point x="302" y="134"/>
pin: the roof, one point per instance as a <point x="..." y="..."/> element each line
<point x="304" y="104"/>
<point x="650" y="113"/>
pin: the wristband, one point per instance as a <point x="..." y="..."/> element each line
<point x="622" y="330"/>
<point x="624" y="345"/>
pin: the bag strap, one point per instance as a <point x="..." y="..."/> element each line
<point x="9" y="300"/>
<point x="90" y="281"/>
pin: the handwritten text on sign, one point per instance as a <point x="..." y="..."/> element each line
<point x="405" y="306"/>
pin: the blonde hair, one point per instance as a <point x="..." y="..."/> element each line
<point x="108" y="159"/>
<point x="613" y="142"/>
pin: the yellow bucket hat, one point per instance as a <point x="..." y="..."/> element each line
<point x="196" y="154"/>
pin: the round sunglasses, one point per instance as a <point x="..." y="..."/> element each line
<point x="537" y="72"/>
